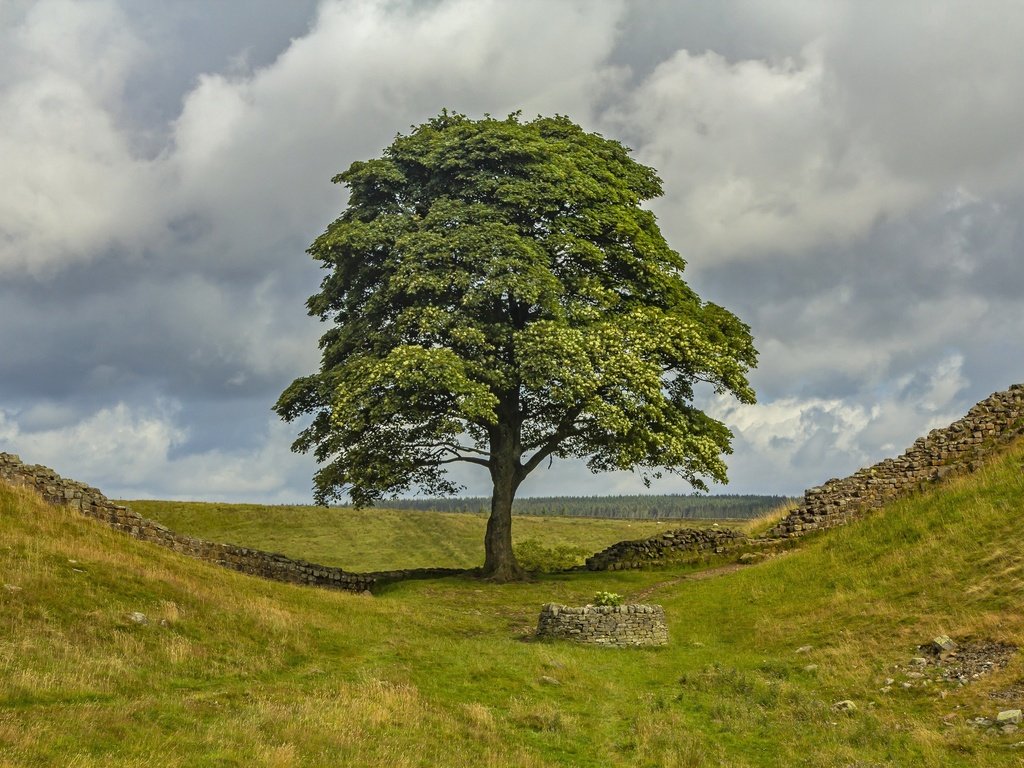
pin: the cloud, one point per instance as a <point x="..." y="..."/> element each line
<point x="129" y="452"/>
<point x="757" y="156"/>
<point x="846" y="178"/>
<point x="793" y="443"/>
<point x="253" y="155"/>
<point x="73" y="186"/>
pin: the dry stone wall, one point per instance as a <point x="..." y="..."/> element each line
<point x="614" y="625"/>
<point x="961" y="447"/>
<point x="92" y="503"/>
<point x="954" y="450"/>
<point x="684" y="542"/>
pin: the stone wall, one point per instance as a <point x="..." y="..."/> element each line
<point x="954" y="450"/>
<point x="616" y="625"/>
<point x="92" y="503"/>
<point x="665" y="547"/>
<point x="959" y="448"/>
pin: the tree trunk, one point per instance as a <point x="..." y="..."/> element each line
<point x="500" y="561"/>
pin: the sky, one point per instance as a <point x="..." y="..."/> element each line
<point x="846" y="177"/>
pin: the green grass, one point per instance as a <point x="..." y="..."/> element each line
<point x="243" y="672"/>
<point x="384" y="539"/>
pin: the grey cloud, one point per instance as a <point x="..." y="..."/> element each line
<point x="845" y="177"/>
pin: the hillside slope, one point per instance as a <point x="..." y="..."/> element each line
<point x="231" y="670"/>
<point x="381" y="539"/>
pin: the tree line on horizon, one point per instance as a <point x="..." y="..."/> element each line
<point x="635" y="507"/>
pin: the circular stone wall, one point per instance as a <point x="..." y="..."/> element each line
<point x="617" y="625"/>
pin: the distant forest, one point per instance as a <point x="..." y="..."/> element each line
<point x="664" y="507"/>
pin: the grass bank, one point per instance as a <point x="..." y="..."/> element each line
<point x="234" y="671"/>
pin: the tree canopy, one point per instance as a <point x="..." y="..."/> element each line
<point x="497" y="296"/>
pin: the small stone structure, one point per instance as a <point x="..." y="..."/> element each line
<point x="92" y="503"/>
<point x="960" y="448"/>
<point x="614" y="625"/>
<point x="664" y="547"/>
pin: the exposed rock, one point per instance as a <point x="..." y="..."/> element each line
<point x="942" y="646"/>
<point x="546" y="680"/>
<point x="1008" y="716"/>
<point x="804" y="649"/>
<point x="138" y="618"/>
<point x="846" y="705"/>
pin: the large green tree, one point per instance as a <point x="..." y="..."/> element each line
<point x="498" y="296"/>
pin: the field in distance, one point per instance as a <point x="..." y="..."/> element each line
<point x="678" y="506"/>
<point x="384" y="539"/>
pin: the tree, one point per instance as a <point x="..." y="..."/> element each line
<point x="497" y="297"/>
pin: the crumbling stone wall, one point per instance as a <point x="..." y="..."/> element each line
<point x="954" y="450"/>
<point x="959" y="448"/>
<point x="615" y="625"/>
<point x="665" y="547"/>
<point x="92" y="503"/>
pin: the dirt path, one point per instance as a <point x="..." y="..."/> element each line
<point x="709" y="573"/>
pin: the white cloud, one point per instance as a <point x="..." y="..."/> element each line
<point x="131" y="452"/>
<point x="757" y="155"/>
<point x="72" y="184"/>
<point x="255" y="154"/>
<point x="791" y="442"/>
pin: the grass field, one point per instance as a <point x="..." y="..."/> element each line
<point x="382" y="539"/>
<point x="234" y="671"/>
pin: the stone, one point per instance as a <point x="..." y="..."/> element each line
<point x="919" y="661"/>
<point x="548" y="680"/>
<point x="804" y="649"/>
<point x="942" y="645"/>
<point x="138" y="618"/>
<point x="846" y="705"/>
<point x="1008" y="716"/>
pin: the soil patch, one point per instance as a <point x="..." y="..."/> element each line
<point x="973" y="659"/>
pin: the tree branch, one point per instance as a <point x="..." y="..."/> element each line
<point x="468" y="459"/>
<point x="450" y="447"/>
<point x="565" y="430"/>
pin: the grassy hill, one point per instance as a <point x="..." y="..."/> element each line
<point x="382" y="539"/>
<point x="233" y="671"/>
